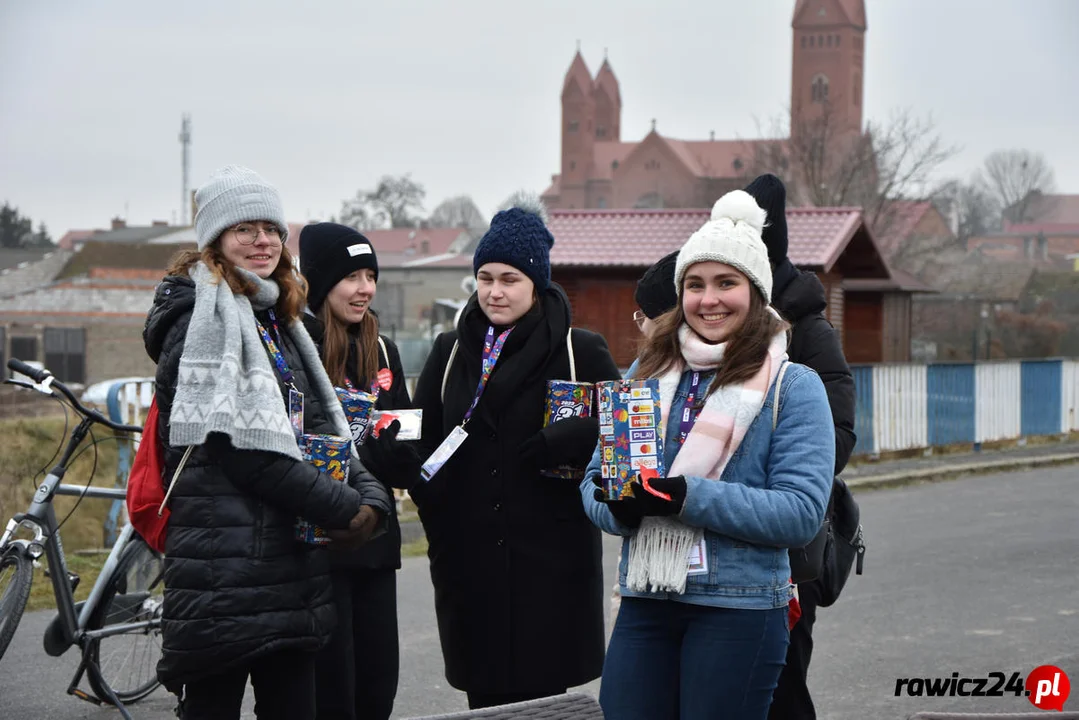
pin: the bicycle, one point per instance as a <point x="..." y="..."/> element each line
<point x="119" y="624"/>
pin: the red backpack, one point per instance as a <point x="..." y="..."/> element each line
<point x="146" y="494"/>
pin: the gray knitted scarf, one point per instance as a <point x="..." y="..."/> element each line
<point x="226" y="382"/>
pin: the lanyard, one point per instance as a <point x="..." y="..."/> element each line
<point x="275" y="352"/>
<point x="689" y="413"/>
<point x="491" y="351"/>
<point x="352" y="388"/>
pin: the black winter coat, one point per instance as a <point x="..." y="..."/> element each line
<point x="237" y="583"/>
<point x="799" y="297"/>
<point x="384" y="552"/>
<point x="515" y="563"/>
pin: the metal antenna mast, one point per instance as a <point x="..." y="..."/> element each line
<point x="185" y="142"/>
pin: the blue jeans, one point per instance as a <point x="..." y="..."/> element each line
<point x="675" y="661"/>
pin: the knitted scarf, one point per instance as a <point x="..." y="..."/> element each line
<point x="658" y="552"/>
<point x="226" y="383"/>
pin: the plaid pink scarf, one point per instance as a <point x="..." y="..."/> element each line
<point x="658" y="552"/>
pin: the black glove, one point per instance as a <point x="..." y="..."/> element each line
<point x="654" y="505"/>
<point x="565" y="442"/>
<point x="395" y="462"/>
<point x="626" y="511"/>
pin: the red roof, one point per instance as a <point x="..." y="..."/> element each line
<point x="402" y="240"/>
<point x="1049" y="210"/>
<point x="637" y="238"/>
<point x="853" y="9"/>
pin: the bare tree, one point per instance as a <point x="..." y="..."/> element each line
<point x="459" y="212"/>
<point x="970" y="206"/>
<point x="395" y="203"/>
<point x="1011" y="176"/>
<point x="826" y="163"/>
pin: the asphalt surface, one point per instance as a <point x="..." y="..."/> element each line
<point x="973" y="576"/>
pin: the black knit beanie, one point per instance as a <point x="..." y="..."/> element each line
<point x="518" y="236"/>
<point x="656" y="293"/>
<point x="330" y="252"/>
<point x="770" y="194"/>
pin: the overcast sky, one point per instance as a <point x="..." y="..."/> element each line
<point x="324" y="97"/>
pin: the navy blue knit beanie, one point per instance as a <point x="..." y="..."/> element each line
<point x="519" y="237"/>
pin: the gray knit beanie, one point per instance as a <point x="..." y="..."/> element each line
<point x="234" y="195"/>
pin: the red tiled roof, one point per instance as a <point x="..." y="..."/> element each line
<point x="73" y="236"/>
<point x="1047" y="229"/>
<point x="578" y="71"/>
<point x="606" y="81"/>
<point x="637" y="238"/>
<point x="401" y="240"/>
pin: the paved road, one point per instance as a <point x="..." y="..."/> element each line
<point x="971" y="576"/>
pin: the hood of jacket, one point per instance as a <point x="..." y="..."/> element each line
<point x="802" y="296"/>
<point x="174" y="298"/>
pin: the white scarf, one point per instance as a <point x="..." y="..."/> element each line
<point x="658" y="552"/>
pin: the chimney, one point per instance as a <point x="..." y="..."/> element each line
<point x="160" y="223"/>
<point x="118" y="223"/>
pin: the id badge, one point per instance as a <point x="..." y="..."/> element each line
<point x="444" y="452"/>
<point x="295" y="410"/>
<point x="698" y="558"/>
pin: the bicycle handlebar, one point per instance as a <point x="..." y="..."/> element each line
<point x="41" y="376"/>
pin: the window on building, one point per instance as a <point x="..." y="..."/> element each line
<point x="803" y="42"/>
<point x="829" y="41"/>
<point x="837" y="38"/>
<point x="65" y="353"/>
<point x="572" y="164"/>
<point x="738" y="165"/>
<point x="573" y="126"/>
<point x="810" y="41"/>
<point x="819" y="89"/>
<point x="601" y="132"/>
<point x="820" y="41"/>
<point x="614" y="165"/>
<point x="857" y="89"/>
<point x="601" y="203"/>
<point x="24" y="348"/>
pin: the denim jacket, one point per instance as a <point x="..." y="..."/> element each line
<point x="771" y="496"/>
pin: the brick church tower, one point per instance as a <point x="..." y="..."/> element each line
<point x="829" y="63"/>
<point x="591" y="113"/>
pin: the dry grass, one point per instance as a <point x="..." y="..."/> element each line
<point x="29" y="447"/>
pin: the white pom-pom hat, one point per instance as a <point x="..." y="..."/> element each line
<point x="732" y="236"/>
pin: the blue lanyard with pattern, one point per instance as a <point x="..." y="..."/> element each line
<point x="491" y="350"/>
<point x="275" y="352"/>
<point x="689" y="413"/>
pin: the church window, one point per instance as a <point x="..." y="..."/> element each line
<point x="819" y="89"/>
<point x="829" y="41"/>
<point x="573" y="125"/>
<point x="837" y="37"/>
<point x="572" y="164"/>
<point x="820" y="41"/>
<point x="803" y="42"/>
<point x="614" y="165"/>
<point x="649" y="201"/>
<point x="738" y="163"/>
<point x="811" y="41"/>
<point x="857" y="89"/>
<point x="601" y="203"/>
<point x="601" y="132"/>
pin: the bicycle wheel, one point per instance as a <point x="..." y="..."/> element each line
<point x="128" y="662"/>
<point x="16" y="575"/>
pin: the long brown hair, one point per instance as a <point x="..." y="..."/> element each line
<point x="744" y="355"/>
<point x="293" y="297"/>
<point x="335" y="347"/>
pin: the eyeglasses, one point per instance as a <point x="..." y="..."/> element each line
<point x="639" y="317"/>
<point x="247" y="234"/>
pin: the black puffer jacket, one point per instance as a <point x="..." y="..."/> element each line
<point x="799" y="297"/>
<point x="382" y="553"/>
<point x="238" y="585"/>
